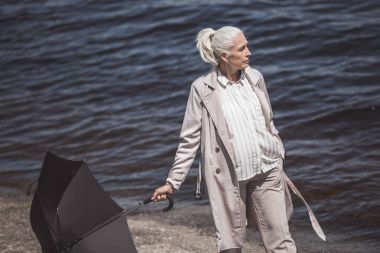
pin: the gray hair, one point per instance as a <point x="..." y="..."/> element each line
<point x="211" y="44"/>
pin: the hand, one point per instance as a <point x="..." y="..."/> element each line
<point x="161" y="193"/>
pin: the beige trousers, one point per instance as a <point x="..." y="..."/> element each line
<point x="263" y="203"/>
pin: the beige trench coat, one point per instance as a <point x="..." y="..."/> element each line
<point x="205" y="125"/>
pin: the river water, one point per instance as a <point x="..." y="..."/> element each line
<point x="107" y="81"/>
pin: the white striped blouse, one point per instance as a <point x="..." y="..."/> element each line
<point x="255" y="148"/>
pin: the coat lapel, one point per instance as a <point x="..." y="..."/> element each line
<point x="211" y="100"/>
<point x="266" y="108"/>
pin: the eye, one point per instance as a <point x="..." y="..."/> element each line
<point x="242" y="48"/>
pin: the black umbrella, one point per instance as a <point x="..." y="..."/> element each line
<point x="72" y="213"/>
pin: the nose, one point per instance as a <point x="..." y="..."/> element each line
<point x="248" y="54"/>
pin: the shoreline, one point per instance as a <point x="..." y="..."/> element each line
<point x="187" y="228"/>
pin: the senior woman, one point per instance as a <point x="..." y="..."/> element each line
<point x="229" y="116"/>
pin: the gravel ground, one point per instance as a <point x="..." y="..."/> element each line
<point x="187" y="228"/>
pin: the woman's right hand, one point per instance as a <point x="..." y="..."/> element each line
<point x="161" y="193"/>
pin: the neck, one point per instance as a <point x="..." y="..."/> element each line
<point x="230" y="73"/>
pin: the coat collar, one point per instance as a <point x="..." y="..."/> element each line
<point x="252" y="76"/>
<point x="211" y="78"/>
<point x="224" y="82"/>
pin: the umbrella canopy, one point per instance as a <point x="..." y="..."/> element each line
<point x="72" y="213"/>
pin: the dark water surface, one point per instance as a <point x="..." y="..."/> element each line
<point x="108" y="82"/>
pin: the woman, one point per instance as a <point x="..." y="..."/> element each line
<point x="229" y="115"/>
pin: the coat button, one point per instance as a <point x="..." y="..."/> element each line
<point x="217" y="171"/>
<point x="217" y="150"/>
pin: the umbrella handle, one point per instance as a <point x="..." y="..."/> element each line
<point x="169" y="198"/>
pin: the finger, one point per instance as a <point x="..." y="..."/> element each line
<point x="162" y="197"/>
<point x="157" y="193"/>
<point x="154" y="195"/>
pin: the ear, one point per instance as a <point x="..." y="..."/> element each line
<point x="224" y="57"/>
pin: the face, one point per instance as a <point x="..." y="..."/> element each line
<point x="238" y="57"/>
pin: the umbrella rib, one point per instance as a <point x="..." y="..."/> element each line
<point x="62" y="244"/>
<point x="71" y="244"/>
<point x="103" y="224"/>
<point x="59" y="238"/>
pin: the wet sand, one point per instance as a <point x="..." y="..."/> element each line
<point x="187" y="228"/>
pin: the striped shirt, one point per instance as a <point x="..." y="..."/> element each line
<point x="256" y="149"/>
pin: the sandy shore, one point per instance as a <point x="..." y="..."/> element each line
<point x="187" y="228"/>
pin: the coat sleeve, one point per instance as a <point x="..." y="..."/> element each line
<point x="189" y="140"/>
<point x="271" y="126"/>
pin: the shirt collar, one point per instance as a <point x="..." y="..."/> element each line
<point x="224" y="81"/>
